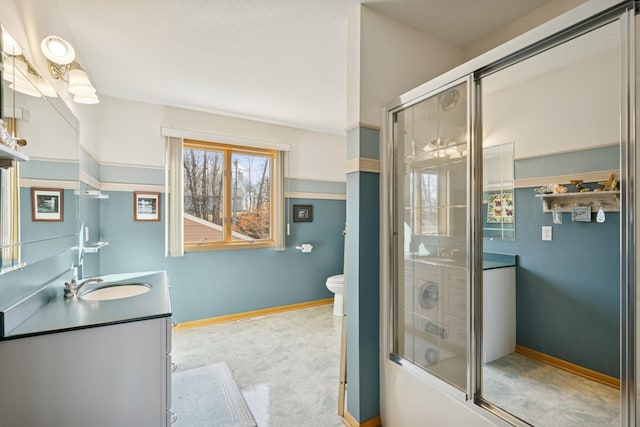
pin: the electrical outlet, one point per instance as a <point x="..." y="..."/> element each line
<point x="547" y="232"/>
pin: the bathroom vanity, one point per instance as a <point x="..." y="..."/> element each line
<point x="91" y="363"/>
<point x="498" y="306"/>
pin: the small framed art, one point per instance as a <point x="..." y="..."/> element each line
<point x="302" y="213"/>
<point x="146" y="206"/>
<point x="47" y="204"/>
<point x="581" y="213"/>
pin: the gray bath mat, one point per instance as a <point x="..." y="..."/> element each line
<point x="209" y="397"/>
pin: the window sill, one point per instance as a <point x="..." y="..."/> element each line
<point x="198" y="247"/>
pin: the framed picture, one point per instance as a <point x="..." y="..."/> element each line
<point x="302" y="213"/>
<point x="500" y="207"/>
<point x="146" y="206"/>
<point x="581" y="213"/>
<point x="47" y="204"/>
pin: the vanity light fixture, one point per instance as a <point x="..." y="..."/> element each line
<point x="62" y="66"/>
<point x="17" y="71"/>
<point x="24" y="79"/>
<point x="9" y="44"/>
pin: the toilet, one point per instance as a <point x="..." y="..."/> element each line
<point x="336" y="285"/>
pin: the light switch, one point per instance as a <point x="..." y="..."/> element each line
<point x="547" y="232"/>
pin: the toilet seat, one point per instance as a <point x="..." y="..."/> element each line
<point x="338" y="279"/>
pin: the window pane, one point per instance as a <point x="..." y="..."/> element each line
<point x="250" y="195"/>
<point x="203" y="195"/>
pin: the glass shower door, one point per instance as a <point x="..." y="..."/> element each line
<point x="430" y="197"/>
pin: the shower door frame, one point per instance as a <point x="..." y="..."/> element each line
<point x="625" y="12"/>
<point x="472" y="228"/>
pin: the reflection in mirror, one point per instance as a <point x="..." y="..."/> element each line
<point x="9" y="224"/>
<point x="32" y="112"/>
<point x="555" y="359"/>
<point x="498" y="197"/>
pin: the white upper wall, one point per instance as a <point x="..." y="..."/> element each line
<point x="393" y="58"/>
<point x="130" y="134"/>
<point x="47" y="133"/>
<point x="575" y="107"/>
<point x="387" y="58"/>
<point x="125" y="132"/>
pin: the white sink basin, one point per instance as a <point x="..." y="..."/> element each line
<point x="115" y="291"/>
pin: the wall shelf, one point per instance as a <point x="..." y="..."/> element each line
<point x="564" y="202"/>
<point x="9" y="155"/>
<point x="92" y="194"/>
<point x="94" y="247"/>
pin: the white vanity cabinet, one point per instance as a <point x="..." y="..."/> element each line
<point x="498" y="313"/>
<point x="104" y="376"/>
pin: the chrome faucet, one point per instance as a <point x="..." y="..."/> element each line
<point x="72" y="289"/>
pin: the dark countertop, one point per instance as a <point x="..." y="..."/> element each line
<point x="60" y="315"/>
<point x="493" y="260"/>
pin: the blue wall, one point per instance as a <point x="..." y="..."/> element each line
<point x="44" y="171"/>
<point x="567" y="289"/>
<point x="32" y="231"/>
<point x="362" y="278"/>
<point x="216" y="283"/>
<point x="46" y="246"/>
<point x="90" y="212"/>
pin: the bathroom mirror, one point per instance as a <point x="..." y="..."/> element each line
<point x="558" y="115"/>
<point x="33" y="112"/>
<point x="498" y="197"/>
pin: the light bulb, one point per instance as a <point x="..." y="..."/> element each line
<point x="56" y="47"/>
<point x="57" y="50"/>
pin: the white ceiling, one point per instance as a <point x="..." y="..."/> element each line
<point x="280" y="61"/>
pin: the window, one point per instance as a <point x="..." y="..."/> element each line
<point x="228" y="196"/>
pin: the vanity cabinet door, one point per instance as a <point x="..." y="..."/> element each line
<point x="101" y="377"/>
<point x="498" y="313"/>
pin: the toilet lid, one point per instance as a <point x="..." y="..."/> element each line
<point x="338" y="278"/>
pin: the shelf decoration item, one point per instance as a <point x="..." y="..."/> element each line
<point x="611" y="184"/>
<point x="583" y="201"/>
<point x="600" y="215"/>
<point x="581" y="214"/>
<point x="557" y="215"/>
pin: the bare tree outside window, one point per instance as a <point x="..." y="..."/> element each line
<point x="252" y="188"/>
<point x="246" y="199"/>
<point x="203" y="173"/>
